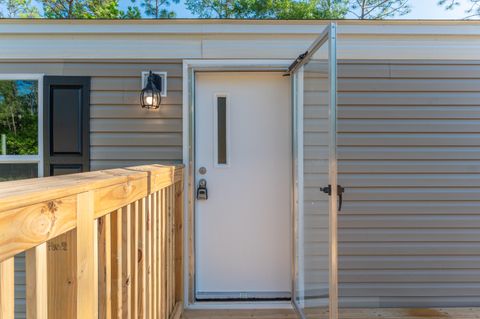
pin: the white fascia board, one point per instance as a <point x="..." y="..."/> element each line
<point x="205" y="27"/>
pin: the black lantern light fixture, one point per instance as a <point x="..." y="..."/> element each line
<point x="151" y="95"/>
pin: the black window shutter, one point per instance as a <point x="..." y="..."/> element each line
<point x="66" y="124"/>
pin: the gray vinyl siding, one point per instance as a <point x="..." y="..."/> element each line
<point x="409" y="156"/>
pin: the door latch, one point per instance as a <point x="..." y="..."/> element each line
<point x="202" y="192"/>
<point x="340" y="191"/>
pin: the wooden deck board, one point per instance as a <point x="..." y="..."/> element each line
<point x="393" y="313"/>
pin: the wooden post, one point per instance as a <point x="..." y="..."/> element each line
<point x="86" y="267"/>
<point x="7" y="289"/>
<point x="36" y="275"/>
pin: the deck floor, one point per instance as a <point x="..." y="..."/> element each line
<point x="437" y="313"/>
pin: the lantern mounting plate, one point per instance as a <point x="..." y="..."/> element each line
<point x="163" y="78"/>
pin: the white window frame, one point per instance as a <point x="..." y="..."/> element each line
<point x="215" y="130"/>
<point x="26" y="159"/>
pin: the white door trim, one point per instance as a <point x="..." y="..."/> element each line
<point x="189" y="69"/>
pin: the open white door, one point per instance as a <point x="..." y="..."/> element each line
<point x="317" y="194"/>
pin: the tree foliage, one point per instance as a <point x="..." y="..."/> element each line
<point x="19" y="9"/>
<point x="19" y="116"/>
<point x="472" y="11"/>
<point x="379" y="9"/>
<point x="268" y="9"/>
<point x="158" y="8"/>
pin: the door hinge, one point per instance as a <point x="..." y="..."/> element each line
<point x="340" y="191"/>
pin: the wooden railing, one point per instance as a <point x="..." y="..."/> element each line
<point x="105" y="244"/>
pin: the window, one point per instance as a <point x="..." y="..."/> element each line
<point x="221" y="130"/>
<point x="20" y="126"/>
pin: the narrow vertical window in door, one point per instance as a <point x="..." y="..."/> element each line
<point x="221" y="130"/>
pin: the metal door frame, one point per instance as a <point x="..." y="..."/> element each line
<point x="329" y="37"/>
<point x="190" y="67"/>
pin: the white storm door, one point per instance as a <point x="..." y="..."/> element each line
<point x="243" y="151"/>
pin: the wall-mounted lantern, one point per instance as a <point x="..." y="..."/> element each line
<point x="151" y="95"/>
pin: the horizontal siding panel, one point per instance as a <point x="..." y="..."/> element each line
<point x="412" y="221"/>
<point x="410" y="249"/>
<point x="136" y="125"/>
<point x="136" y="139"/>
<point x="315" y="112"/>
<point x="403" y="153"/>
<point x="123" y="69"/>
<point x="409" y="112"/>
<point x="93" y="69"/>
<point x="399" y="276"/>
<point x="408" y="98"/>
<point x="407" y="85"/>
<point x="411" y="139"/>
<point x="408" y="166"/>
<point x="315" y="139"/>
<point x="410" y="289"/>
<point x="411" y="234"/>
<point x="414" y="180"/>
<point x="411" y="207"/>
<point x="411" y="194"/>
<point x="135" y="111"/>
<point x="131" y="83"/>
<point x="409" y="302"/>
<point x="407" y="262"/>
<point x="409" y="126"/>
<point x="442" y="71"/>
<point x="135" y="153"/>
<point x="315" y="165"/>
<point x="363" y="70"/>
<point x="129" y="98"/>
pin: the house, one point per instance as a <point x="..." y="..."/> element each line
<point x="301" y="141"/>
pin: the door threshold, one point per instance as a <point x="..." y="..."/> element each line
<point x="283" y="304"/>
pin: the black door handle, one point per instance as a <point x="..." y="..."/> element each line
<point x="340" y="191"/>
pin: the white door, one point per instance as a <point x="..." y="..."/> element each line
<point x="243" y="152"/>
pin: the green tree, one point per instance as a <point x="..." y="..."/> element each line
<point x="379" y="9"/>
<point x="18" y="116"/>
<point x="472" y="11"/>
<point x="132" y="12"/>
<point x="19" y="9"/>
<point x="81" y="9"/>
<point x="268" y="9"/>
<point x="158" y="9"/>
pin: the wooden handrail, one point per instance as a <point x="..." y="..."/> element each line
<point x="104" y="244"/>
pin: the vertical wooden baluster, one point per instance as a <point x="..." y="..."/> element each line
<point x="179" y="242"/>
<point x="126" y="262"/>
<point x="141" y="263"/>
<point x="164" y="240"/>
<point x="36" y="285"/>
<point x="7" y="289"/>
<point x="116" y="264"/>
<point x="154" y="234"/>
<point x="171" y="210"/>
<point x="95" y="268"/>
<point x="167" y="250"/>
<point x="85" y="256"/>
<point x="134" y="260"/>
<point x="105" y="268"/>
<point x="148" y="254"/>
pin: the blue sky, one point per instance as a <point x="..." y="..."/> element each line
<point x="422" y="9"/>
